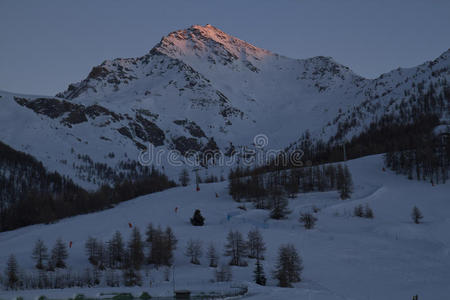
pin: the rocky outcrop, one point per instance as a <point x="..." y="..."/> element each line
<point x="191" y="127"/>
<point x="70" y="113"/>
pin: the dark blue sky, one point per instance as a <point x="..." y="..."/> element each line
<point x="45" y="45"/>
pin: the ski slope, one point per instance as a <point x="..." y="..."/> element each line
<point x="344" y="257"/>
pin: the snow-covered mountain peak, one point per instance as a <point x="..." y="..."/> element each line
<point x="209" y="53"/>
<point x="200" y="88"/>
<point x="207" y="42"/>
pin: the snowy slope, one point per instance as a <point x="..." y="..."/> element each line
<point x="59" y="144"/>
<point x="345" y="257"/>
<point x="201" y="89"/>
<point x="259" y="88"/>
<point x="387" y="95"/>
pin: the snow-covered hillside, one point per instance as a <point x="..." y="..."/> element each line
<point x="199" y="89"/>
<point x="231" y="89"/>
<point x="388" y="257"/>
<point x="391" y="93"/>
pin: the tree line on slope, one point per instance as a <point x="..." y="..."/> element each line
<point x="270" y="190"/>
<point x="405" y="131"/>
<point x="156" y="250"/>
<point x="29" y="194"/>
<point x="116" y="262"/>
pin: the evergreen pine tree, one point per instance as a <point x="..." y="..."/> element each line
<point x="197" y="219"/>
<point x="116" y="251"/>
<point x="101" y="255"/>
<point x="59" y="254"/>
<point x="194" y="251"/>
<point x="170" y="245"/>
<point x="289" y="266"/>
<point x="12" y="273"/>
<point x="40" y="254"/>
<point x="213" y="257"/>
<point x="259" y="276"/>
<point x="156" y="256"/>
<point x="162" y="246"/>
<point x="236" y="248"/>
<point x="278" y="203"/>
<point x="135" y="249"/>
<point x="91" y="250"/>
<point x="256" y="245"/>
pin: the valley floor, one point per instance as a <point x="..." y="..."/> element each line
<point x="344" y="257"/>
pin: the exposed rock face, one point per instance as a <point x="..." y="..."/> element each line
<point x="74" y="113"/>
<point x="184" y="144"/>
<point x="192" y="127"/>
<point x="223" y="86"/>
<point x="125" y="132"/>
<point x="200" y="89"/>
<point x="148" y="131"/>
<point x="70" y="114"/>
<point x="52" y="108"/>
<point x="94" y="111"/>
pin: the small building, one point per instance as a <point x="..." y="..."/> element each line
<point x="182" y="294"/>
